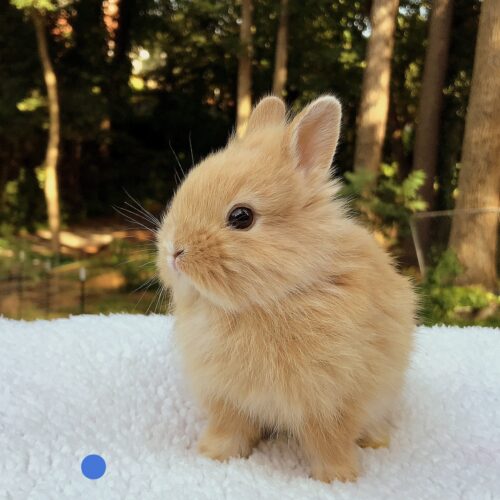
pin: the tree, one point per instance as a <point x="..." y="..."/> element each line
<point x="175" y="80"/>
<point x="474" y="237"/>
<point x="431" y="96"/>
<point x="37" y="11"/>
<point x="120" y="64"/>
<point x="281" y="55"/>
<point x="244" y="99"/>
<point x="463" y="38"/>
<point x="374" y="106"/>
<point x="51" y="186"/>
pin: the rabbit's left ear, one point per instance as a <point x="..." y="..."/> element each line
<point x="269" y="111"/>
<point x="314" y="134"/>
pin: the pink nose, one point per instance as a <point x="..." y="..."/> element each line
<point x="174" y="258"/>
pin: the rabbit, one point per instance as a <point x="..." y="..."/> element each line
<point x="288" y="315"/>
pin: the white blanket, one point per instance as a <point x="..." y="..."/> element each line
<point x="112" y="386"/>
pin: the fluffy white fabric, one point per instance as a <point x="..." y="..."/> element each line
<point x="113" y="386"/>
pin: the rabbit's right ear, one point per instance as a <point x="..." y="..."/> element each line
<point x="269" y="111"/>
<point x="314" y="134"/>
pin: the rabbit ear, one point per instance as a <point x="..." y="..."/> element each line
<point x="269" y="111"/>
<point x="315" y="134"/>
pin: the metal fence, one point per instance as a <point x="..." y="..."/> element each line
<point x="436" y="226"/>
<point x="35" y="285"/>
<point x="45" y="291"/>
<point x="30" y="290"/>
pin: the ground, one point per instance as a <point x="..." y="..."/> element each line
<point x="117" y="260"/>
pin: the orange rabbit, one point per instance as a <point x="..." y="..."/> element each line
<point x="289" y="316"/>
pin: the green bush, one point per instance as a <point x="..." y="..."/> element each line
<point x="137" y="266"/>
<point x="446" y="303"/>
<point x="384" y="202"/>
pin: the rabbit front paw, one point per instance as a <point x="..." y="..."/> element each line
<point x="335" y="472"/>
<point x="222" y="446"/>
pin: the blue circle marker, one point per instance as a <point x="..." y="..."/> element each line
<point x="93" y="466"/>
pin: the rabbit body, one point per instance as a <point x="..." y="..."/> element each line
<point x="299" y="324"/>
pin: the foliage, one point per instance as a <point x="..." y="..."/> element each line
<point x="136" y="267"/>
<point x="48" y="5"/>
<point x="446" y="303"/>
<point x="456" y="96"/>
<point x="169" y="82"/>
<point x="406" y="73"/>
<point x="24" y="268"/>
<point x="385" y="203"/>
<point x="445" y="270"/>
<point x="162" y="86"/>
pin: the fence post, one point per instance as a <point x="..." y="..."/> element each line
<point x="47" y="287"/>
<point x="83" y="277"/>
<point x="20" y="279"/>
<point x="418" y="246"/>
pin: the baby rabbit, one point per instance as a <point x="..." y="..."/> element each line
<point x="289" y="316"/>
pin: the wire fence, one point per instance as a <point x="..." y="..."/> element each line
<point x="32" y="287"/>
<point x="32" y="290"/>
<point x="431" y="231"/>
<point x="49" y="292"/>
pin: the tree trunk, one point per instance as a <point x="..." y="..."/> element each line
<point x="281" y="56"/>
<point x="395" y="128"/>
<point x="374" y="106"/>
<point x="431" y="95"/>
<point x="121" y="64"/>
<point x="118" y="91"/>
<point x="244" y="104"/>
<point x="51" y="188"/>
<point x="4" y="175"/>
<point x="474" y="237"/>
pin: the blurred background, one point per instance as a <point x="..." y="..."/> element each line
<point x="106" y="104"/>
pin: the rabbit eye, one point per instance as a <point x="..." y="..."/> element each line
<point x="240" y="218"/>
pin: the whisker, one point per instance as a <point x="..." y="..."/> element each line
<point x="191" y="148"/>
<point x="148" y="263"/>
<point x="151" y="303"/>
<point x="139" y="205"/>
<point x="159" y="300"/>
<point x="177" y="178"/>
<point x="138" y="243"/>
<point x="143" y="215"/>
<point x="166" y="301"/>
<point x="143" y="251"/>
<point x="128" y="261"/>
<point x="163" y="305"/>
<point x="150" y="281"/>
<point x="137" y="214"/>
<point x="136" y="259"/>
<point x="142" y="209"/>
<point x="177" y="159"/>
<point x="122" y="212"/>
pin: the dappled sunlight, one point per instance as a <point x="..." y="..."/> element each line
<point x="102" y="99"/>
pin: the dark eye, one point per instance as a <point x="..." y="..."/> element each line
<point x="240" y="218"/>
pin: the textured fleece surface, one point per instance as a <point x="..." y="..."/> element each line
<point x="112" y="385"/>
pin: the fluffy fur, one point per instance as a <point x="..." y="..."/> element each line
<point x="300" y="324"/>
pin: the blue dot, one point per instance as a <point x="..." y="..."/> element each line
<point x="93" y="466"/>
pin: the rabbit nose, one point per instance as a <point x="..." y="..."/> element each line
<point x="172" y="258"/>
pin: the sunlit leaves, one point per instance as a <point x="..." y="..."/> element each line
<point x="386" y="202"/>
<point x="32" y="102"/>
<point x="47" y="5"/>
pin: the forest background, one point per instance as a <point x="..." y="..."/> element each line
<point x="104" y="104"/>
